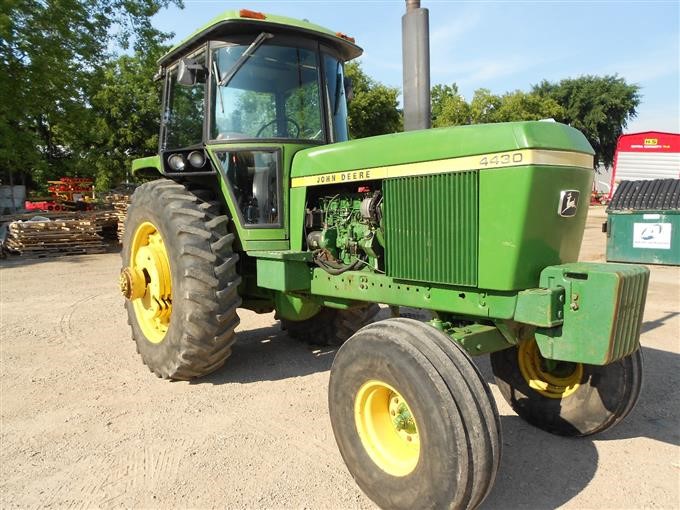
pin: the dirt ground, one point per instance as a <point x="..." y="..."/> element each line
<point x="84" y="423"/>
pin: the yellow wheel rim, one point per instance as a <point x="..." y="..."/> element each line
<point x="558" y="381"/>
<point x="150" y="270"/>
<point x="387" y="428"/>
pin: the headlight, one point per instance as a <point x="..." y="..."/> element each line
<point x="196" y="159"/>
<point x="176" y="162"/>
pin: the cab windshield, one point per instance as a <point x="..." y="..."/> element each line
<point x="274" y="94"/>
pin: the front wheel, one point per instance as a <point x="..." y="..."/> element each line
<point x="564" y="398"/>
<point x="413" y="419"/>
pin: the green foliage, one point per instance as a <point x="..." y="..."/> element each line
<point x="185" y="115"/>
<point x="53" y="55"/>
<point x="600" y="107"/>
<point x="257" y="111"/>
<point x="449" y="108"/>
<point x="374" y="108"/>
<point x="126" y="117"/>
<point x="254" y="109"/>
<point x="484" y="107"/>
<point x="520" y="105"/>
<point x="302" y="106"/>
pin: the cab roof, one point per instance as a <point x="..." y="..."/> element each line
<point x="245" y="21"/>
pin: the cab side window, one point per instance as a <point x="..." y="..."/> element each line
<point x="253" y="178"/>
<point x="184" y="110"/>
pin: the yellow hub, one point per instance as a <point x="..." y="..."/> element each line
<point x="147" y="282"/>
<point x="557" y="381"/>
<point x="387" y="428"/>
<point x="132" y="283"/>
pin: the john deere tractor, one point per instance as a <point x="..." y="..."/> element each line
<point x="259" y="200"/>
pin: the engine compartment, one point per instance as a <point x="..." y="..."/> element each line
<point x="344" y="230"/>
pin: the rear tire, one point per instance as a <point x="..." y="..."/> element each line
<point x="196" y="335"/>
<point x="455" y="422"/>
<point x="597" y="398"/>
<point x="331" y="326"/>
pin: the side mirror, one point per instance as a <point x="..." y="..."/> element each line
<point x="189" y="73"/>
<point x="349" y="89"/>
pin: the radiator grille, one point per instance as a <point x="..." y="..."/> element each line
<point x="431" y="228"/>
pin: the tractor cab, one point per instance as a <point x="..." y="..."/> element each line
<point x="241" y="96"/>
<point x="248" y="76"/>
<point x="255" y="87"/>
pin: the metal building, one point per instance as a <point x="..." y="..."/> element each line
<point x="646" y="155"/>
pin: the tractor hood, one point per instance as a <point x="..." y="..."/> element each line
<point x="475" y="147"/>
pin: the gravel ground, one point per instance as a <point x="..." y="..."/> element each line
<point x="85" y="424"/>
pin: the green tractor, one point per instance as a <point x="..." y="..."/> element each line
<point x="261" y="201"/>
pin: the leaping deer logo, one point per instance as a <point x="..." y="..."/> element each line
<point x="568" y="203"/>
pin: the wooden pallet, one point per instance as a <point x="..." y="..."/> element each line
<point x="120" y="205"/>
<point x="54" y="238"/>
<point x="61" y="215"/>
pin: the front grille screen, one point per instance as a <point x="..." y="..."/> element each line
<point x="432" y="228"/>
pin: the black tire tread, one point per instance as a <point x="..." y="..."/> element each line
<point x="416" y="490"/>
<point x="206" y="329"/>
<point x="331" y="326"/>
<point x="474" y="401"/>
<point x="551" y="414"/>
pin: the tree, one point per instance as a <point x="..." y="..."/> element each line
<point x="52" y="54"/>
<point x="600" y="107"/>
<point x="126" y="108"/>
<point x="448" y="106"/>
<point x="374" y="108"/>
<point x="484" y="107"/>
<point x="520" y="105"/>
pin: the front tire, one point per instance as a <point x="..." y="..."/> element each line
<point x="413" y="418"/>
<point x="180" y="279"/>
<point x="568" y="399"/>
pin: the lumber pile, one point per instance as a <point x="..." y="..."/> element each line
<point x="120" y="204"/>
<point x="65" y="232"/>
<point x="105" y="218"/>
<point x="51" y="215"/>
<point x="56" y="237"/>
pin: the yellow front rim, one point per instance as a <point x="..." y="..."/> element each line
<point x="387" y="428"/>
<point x="149" y="264"/>
<point x="559" y="381"/>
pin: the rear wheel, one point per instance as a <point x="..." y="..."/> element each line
<point x="413" y="418"/>
<point x="180" y="280"/>
<point x="331" y="326"/>
<point x="569" y="399"/>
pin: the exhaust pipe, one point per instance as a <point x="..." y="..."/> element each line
<point x="415" y="30"/>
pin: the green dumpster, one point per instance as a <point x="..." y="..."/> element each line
<point x="643" y="222"/>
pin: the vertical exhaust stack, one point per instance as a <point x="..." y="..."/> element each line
<point x="415" y="29"/>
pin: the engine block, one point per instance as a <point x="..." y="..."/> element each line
<point x="350" y="228"/>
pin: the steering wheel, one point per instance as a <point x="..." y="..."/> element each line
<point x="288" y="119"/>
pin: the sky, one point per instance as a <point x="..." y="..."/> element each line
<point x="500" y="45"/>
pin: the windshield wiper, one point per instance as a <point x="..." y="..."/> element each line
<point x="216" y="74"/>
<point x="244" y="58"/>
